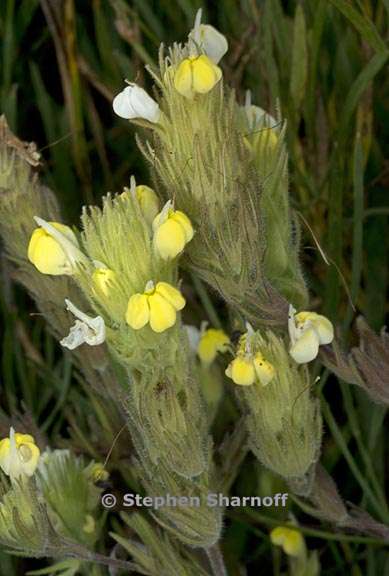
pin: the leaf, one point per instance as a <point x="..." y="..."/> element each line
<point x="298" y="79"/>
<point x="358" y="87"/>
<point x="363" y="24"/>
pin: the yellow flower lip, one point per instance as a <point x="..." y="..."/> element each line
<point x="241" y="371"/>
<point x="172" y="232"/>
<point x="19" y="455"/>
<point x="289" y="539"/>
<point x="211" y="342"/>
<point x="196" y="75"/>
<point x="157" y="305"/>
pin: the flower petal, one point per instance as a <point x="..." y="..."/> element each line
<point x="183" y="79"/>
<point x="186" y="224"/>
<point x="162" y="313"/>
<point x="241" y="371"/>
<point x="169" y="239"/>
<point x="306" y="347"/>
<point x="264" y="370"/>
<point x="138" y="311"/>
<point x="205" y="74"/>
<point x="171" y="294"/>
<point x="121" y="104"/>
<point x="324" y="328"/>
<point x="213" y="43"/>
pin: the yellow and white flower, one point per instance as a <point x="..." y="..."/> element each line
<point x="172" y="231"/>
<point x="308" y="331"/>
<point x="19" y="455"/>
<point x="85" y="330"/>
<point x="134" y="102"/>
<point x="157" y="305"/>
<point x="53" y="248"/>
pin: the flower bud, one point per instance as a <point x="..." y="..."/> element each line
<point x="102" y="279"/>
<point x="308" y="331"/>
<point x="19" y="455"/>
<point x="172" y="231"/>
<point x="53" y="248"/>
<point x="71" y="497"/>
<point x="24" y="524"/>
<point x="157" y="306"/>
<point x="148" y="201"/>
<point x="197" y="526"/>
<point x="134" y="102"/>
<point x="96" y="472"/>
<point x="196" y="75"/>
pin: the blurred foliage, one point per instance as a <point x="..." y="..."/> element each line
<point x="324" y="63"/>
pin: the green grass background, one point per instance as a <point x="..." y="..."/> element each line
<point x="324" y="63"/>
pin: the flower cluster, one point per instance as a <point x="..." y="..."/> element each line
<point x="54" y="249"/>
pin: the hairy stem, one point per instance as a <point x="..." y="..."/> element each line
<point x="216" y="561"/>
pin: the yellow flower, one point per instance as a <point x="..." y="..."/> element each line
<point x="98" y="473"/>
<point x="102" y="279"/>
<point x="158" y="306"/>
<point x="211" y="342"/>
<point x="89" y="524"/>
<point x="248" y="367"/>
<point x="290" y="540"/>
<point x="18" y="454"/>
<point x="196" y="75"/>
<point x="308" y="331"/>
<point x="241" y="370"/>
<point x="172" y="231"/>
<point x="50" y="252"/>
<point x="148" y="201"/>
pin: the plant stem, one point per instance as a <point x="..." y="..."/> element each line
<point x="216" y="561"/>
<point x="206" y="302"/>
<point x="262" y="519"/>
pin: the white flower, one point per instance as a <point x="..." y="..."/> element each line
<point x="257" y="117"/>
<point x="85" y="330"/>
<point x="194" y="335"/>
<point x="134" y="102"/>
<point x="307" y="331"/>
<point x="209" y="40"/>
